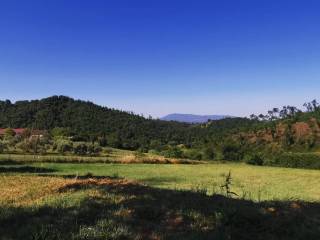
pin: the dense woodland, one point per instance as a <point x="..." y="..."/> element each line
<point x="87" y="121"/>
<point x="257" y="140"/>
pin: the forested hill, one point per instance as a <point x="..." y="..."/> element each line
<point x="287" y="129"/>
<point x="87" y="120"/>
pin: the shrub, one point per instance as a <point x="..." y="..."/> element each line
<point x="209" y="153"/>
<point x="9" y="132"/>
<point x="296" y="160"/>
<point x="80" y="149"/>
<point x="60" y="132"/>
<point x="255" y="159"/>
<point x="102" y="141"/>
<point x="64" y="146"/>
<point x="193" y="154"/>
<point x="2" y="147"/>
<point x="232" y="152"/>
<point x="173" y="152"/>
<point x="94" y="149"/>
<point x="154" y="152"/>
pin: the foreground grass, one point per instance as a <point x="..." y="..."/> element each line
<point x="249" y="182"/>
<point x="44" y="207"/>
<point x="82" y="201"/>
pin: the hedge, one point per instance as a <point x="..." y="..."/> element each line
<point x="296" y="160"/>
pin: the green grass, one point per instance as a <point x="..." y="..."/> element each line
<point x="57" y="201"/>
<point x="251" y="182"/>
<point x="110" y="155"/>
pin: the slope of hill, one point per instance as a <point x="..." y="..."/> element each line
<point x="191" y="118"/>
<point x="88" y="121"/>
<point x="286" y="130"/>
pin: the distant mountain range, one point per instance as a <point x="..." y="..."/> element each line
<point x="191" y="118"/>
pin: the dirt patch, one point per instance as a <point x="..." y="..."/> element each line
<point x="301" y="130"/>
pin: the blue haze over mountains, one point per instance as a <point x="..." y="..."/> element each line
<point x="192" y="118"/>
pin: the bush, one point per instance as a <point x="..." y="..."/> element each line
<point x="193" y="154"/>
<point x="296" y="160"/>
<point x="232" y="152"/>
<point x="209" y="153"/>
<point x="80" y="149"/>
<point x="102" y="141"/>
<point x="173" y="152"/>
<point x="60" y="132"/>
<point x="23" y="146"/>
<point x="94" y="149"/>
<point x="64" y="146"/>
<point x="2" y="147"/>
<point x="255" y="159"/>
<point x="154" y="152"/>
<point x="9" y="132"/>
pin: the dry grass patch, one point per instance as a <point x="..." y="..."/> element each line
<point x="34" y="190"/>
<point x="27" y="190"/>
<point x="154" y="159"/>
<point x="125" y="157"/>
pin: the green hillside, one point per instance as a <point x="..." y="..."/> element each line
<point x="282" y="133"/>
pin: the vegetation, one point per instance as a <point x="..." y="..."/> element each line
<point x="264" y="183"/>
<point x="297" y="160"/>
<point x="85" y="121"/>
<point x="79" y="128"/>
<point x="112" y="156"/>
<point x="72" y="204"/>
<point x="67" y="174"/>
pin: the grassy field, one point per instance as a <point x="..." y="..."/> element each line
<point x="251" y="182"/>
<point x="111" y="155"/>
<point x="156" y="201"/>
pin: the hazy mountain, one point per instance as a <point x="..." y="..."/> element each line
<point x="191" y="118"/>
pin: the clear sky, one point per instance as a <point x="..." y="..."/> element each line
<point x="163" y="56"/>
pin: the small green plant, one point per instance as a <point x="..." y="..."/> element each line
<point x="226" y="187"/>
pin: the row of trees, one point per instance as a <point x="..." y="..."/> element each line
<point x="286" y="112"/>
<point x="71" y="122"/>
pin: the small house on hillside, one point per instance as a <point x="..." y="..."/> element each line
<point x="17" y="131"/>
<point x="21" y="131"/>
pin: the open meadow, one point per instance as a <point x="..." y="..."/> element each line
<point x="41" y="200"/>
<point x="250" y="182"/>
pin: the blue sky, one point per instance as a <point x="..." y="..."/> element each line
<point x="163" y="56"/>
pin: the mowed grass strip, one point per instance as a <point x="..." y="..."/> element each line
<point x="250" y="182"/>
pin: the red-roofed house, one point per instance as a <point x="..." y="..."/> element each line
<point x="18" y="131"/>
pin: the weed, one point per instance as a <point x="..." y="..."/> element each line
<point x="226" y="187"/>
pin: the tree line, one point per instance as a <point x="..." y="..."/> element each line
<point x="74" y="121"/>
